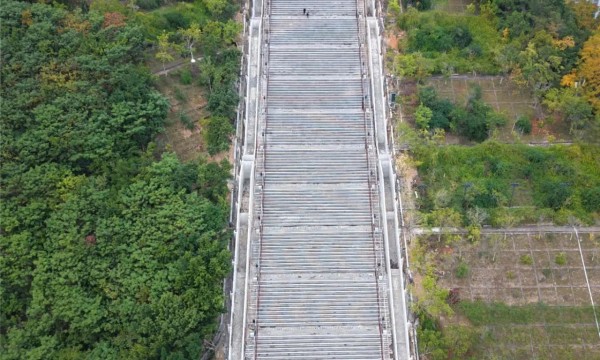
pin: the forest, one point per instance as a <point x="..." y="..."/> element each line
<point x="110" y="248"/>
<point x="549" y="48"/>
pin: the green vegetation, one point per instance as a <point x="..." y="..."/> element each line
<point x="219" y="72"/>
<point x="577" y="112"/>
<point x="217" y="132"/>
<point x="560" y="259"/>
<point x="474" y="121"/>
<point x="510" y="183"/>
<point x="523" y="332"/>
<point x="549" y="48"/>
<point x="219" y="68"/>
<point x="202" y="30"/>
<point x="446" y="44"/>
<point x="454" y="342"/>
<point x="481" y="314"/>
<point x="526" y="259"/>
<point x="495" y="330"/>
<point x="182" y="15"/>
<point x="110" y="249"/>
<point x="523" y="124"/>
<point x="462" y="270"/>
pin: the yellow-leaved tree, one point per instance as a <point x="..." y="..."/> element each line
<point x="589" y="69"/>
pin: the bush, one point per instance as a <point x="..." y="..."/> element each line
<point x="185" y="76"/>
<point x="561" y="259"/>
<point x="420" y="5"/>
<point x="547" y="272"/>
<point x="180" y="95"/>
<point x="554" y="193"/>
<point x="590" y="199"/>
<point x="176" y="20"/>
<point x="186" y="120"/>
<point x="526" y="259"/>
<point x="477" y="118"/>
<point x="394" y="8"/>
<point x="462" y="270"/>
<point x="523" y="124"/>
<point x="441" y="108"/>
<point x="218" y="129"/>
<point x="148" y="4"/>
<point x="423" y="116"/>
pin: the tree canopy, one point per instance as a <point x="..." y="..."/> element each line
<point x="109" y="250"/>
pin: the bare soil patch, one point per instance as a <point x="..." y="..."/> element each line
<point x="538" y="275"/>
<point x="183" y="133"/>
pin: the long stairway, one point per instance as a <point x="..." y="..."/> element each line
<point x="317" y="287"/>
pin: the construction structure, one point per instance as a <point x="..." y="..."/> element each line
<point x="319" y="265"/>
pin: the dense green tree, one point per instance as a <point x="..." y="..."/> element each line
<point x="474" y="121"/>
<point x="423" y="116"/>
<point x="222" y="102"/>
<point x="590" y="199"/>
<point x="218" y="129"/>
<point x="441" y="108"/>
<point x="106" y="252"/>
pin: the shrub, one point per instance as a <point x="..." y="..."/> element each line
<point x="148" y="4"/>
<point x="176" y="20"/>
<point x="523" y="124"/>
<point x="185" y="76"/>
<point x="561" y="259"/>
<point x="421" y="5"/>
<point x="462" y="270"/>
<point x="526" y="259"/>
<point x="554" y="194"/>
<point x="590" y="199"/>
<point x="186" y="120"/>
<point x="394" y="8"/>
<point x="547" y="272"/>
<point x="180" y="95"/>
<point x="441" y="108"/>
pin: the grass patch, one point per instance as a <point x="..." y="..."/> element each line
<point x="524" y="332"/>
<point x="482" y="314"/>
